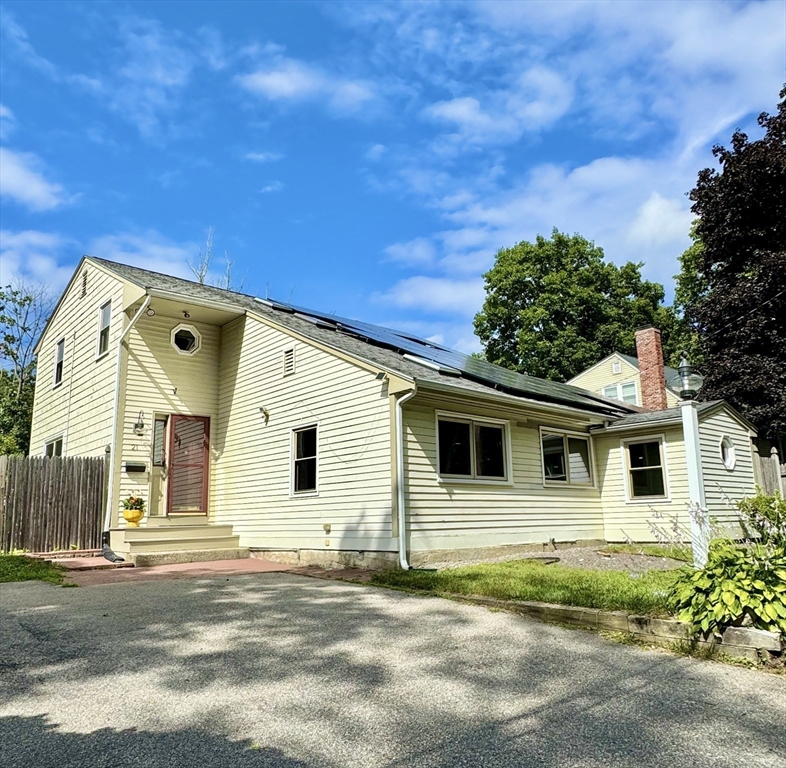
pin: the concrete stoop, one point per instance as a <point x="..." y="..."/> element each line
<point x="147" y="559"/>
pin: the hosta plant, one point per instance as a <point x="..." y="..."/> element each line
<point x="741" y="585"/>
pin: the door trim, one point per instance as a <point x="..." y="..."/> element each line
<point x="173" y="419"/>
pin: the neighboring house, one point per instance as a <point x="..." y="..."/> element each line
<point x="248" y="423"/>
<point x="619" y="376"/>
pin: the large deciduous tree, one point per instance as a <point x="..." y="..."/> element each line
<point x="556" y="306"/>
<point x="736" y="296"/>
<point x="24" y="311"/>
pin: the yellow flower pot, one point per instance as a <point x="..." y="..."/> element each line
<point x="133" y="516"/>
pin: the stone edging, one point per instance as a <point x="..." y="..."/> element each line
<point x="739" y="642"/>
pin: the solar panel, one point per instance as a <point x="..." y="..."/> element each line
<point x="472" y="368"/>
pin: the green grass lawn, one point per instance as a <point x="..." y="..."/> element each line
<point x="674" y="551"/>
<point x="23" y="568"/>
<point x="528" y="580"/>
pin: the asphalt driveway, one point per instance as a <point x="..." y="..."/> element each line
<point x="281" y="670"/>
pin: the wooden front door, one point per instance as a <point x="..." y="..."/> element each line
<point x="189" y="464"/>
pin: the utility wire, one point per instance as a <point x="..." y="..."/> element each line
<point x="755" y="309"/>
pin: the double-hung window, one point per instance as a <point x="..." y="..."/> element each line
<point x="59" y="357"/>
<point x="566" y="458"/>
<point x="304" y="460"/>
<point x="625" y="393"/>
<point x="54" y="447"/>
<point x="645" y="469"/>
<point x="104" y="318"/>
<point x="471" y="449"/>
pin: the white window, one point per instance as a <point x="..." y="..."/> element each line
<point x="186" y="339"/>
<point x="625" y="393"/>
<point x="471" y="449"/>
<point x="59" y="357"/>
<point x="289" y="361"/>
<point x="54" y="447"/>
<point x="566" y="458"/>
<point x="104" y="320"/>
<point x="304" y="460"/>
<point x="645" y="468"/>
<point x="728" y="453"/>
<point x="616" y="367"/>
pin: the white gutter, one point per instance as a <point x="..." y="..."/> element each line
<point x="113" y="444"/>
<point x="402" y="513"/>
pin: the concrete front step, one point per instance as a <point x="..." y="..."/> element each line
<point x="164" y="521"/>
<point x="145" y="559"/>
<point x="177" y="533"/>
<point x="171" y="544"/>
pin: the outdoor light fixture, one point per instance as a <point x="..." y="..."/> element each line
<point x="151" y="312"/>
<point x="139" y="427"/>
<point x="186" y="314"/>
<point x="688" y="380"/>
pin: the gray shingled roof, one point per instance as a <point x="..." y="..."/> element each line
<point x="658" y="417"/>
<point x="669" y="373"/>
<point x="476" y="376"/>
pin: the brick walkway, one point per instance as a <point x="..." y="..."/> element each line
<point x="121" y="573"/>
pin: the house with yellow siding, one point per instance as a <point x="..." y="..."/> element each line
<point x="252" y="426"/>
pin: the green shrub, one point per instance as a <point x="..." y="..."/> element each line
<point x="739" y="585"/>
<point x="764" y="517"/>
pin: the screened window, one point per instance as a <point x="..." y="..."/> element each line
<point x="471" y="449"/>
<point x="645" y="469"/>
<point x="304" y="470"/>
<point x="566" y="459"/>
<point x="728" y="454"/>
<point x="103" y="328"/>
<point x="625" y="393"/>
<point x="59" y="357"/>
<point x="54" y="447"/>
<point x="159" y="436"/>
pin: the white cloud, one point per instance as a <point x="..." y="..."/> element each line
<point x="7" y="122"/>
<point x="660" y="221"/>
<point x="537" y="99"/>
<point x="22" y="180"/>
<point x="33" y="257"/>
<point x="436" y="295"/>
<point x="148" y="250"/>
<point x="375" y="152"/>
<point x="415" y="253"/>
<point x="287" y="80"/>
<point x="274" y="186"/>
<point x="264" y="157"/>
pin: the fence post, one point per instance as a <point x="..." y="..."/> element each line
<point x="776" y="465"/>
<point x="105" y="490"/>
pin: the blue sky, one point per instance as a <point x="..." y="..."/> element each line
<point x="367" y="158"/>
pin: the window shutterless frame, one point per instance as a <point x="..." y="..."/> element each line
<point x="475" y="423"/>
<point x="104" y="322"/>
<point x="54" y="446"/>
<point x="57" y="379"/>
<point x="298" y="462"/>
<point x="626" y="470"/>
<point x="569" y="481"/>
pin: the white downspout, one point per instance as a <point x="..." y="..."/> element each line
<point x="113" y="440"/>
<point x="402" y="514"/>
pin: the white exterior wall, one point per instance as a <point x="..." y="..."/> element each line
<point x="160" y="380"/>
<point x="80" y="408"/>
<point x="724" y="487"/>
<point x="624" y="518"/>
<point x="252" y="479"/>
<point x="457" y="515"/>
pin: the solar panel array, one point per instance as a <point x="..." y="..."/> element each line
<point x="472" y="368"/>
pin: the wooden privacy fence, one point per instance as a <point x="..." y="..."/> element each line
<point x="51" y="503"/>
<point x="771" y="475"/>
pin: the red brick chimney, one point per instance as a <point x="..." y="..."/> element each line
<point x="650" y="353"/>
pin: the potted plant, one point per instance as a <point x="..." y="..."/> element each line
<point x="133" y="510"/>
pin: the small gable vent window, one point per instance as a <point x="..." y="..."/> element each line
<point x="728" y="454"/>
<point x="616" y="367"/>
<point x="289" y="361"/>
<point x="186" y="339"/>
<point x="84" y="285"/>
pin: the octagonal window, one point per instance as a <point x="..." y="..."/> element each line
<point x="186" y="339"/>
